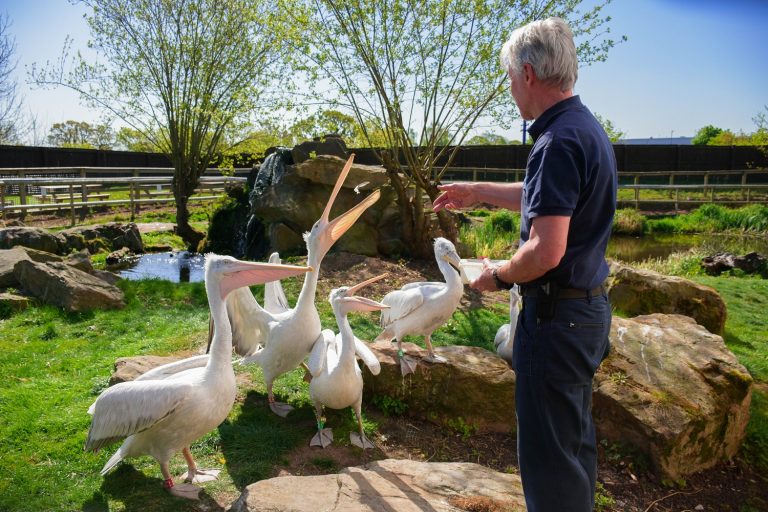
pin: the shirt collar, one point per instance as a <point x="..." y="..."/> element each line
<point x="540" y="124"/>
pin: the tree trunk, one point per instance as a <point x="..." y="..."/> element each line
<point x="185" y="179"/>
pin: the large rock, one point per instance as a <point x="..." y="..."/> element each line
<point x="387" y="485"/>
<point x="9" y="258"/>
<point x="35" y="238"/>
<point x="112" y="236"/>
<point x="292" y="206"/>
<point x="475" y="387"/>
<point x="672" y="389"/>
<point x="67" y="287"/>
<point x="643" y="292"/>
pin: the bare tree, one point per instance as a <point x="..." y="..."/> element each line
<point x="10" y="103"/>
<point x="180" y="72"/>
<point x="431" y="68"/>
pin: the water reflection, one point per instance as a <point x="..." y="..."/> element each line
<point x="634" y="249"/>
<point x="181" y="266"/>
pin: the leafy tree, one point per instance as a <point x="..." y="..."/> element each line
<point x="10" y="104"/>
<point x="183" y="73"/>
<point x="324" y="123"/>
<point x="705" y="135"/>
<point x="427" y="68"/>
<point x="614" y="134"/>
<point x="80" y="134"/>
<point x="130" y="139"/>
<point x="488" y="139"/>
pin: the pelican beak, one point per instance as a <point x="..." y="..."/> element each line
<point x="343" y="222"/>
<point x="246" y="273"/>
<point x="354" y="289"/>
<point x="364" y="304"/>
<point x="454" y="261"/>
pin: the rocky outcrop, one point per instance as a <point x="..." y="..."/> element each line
<point x="401" y="485"/>
<point x="110" y="236"/>
<point x="67" y="287"/>
<point x="474" y="390"/>
<point x="128" y="368"/>
<point x="642" y="292"/>
<point x="750" y="263"/>
<point x="34" y="238"/>
<point x="289" y="208"/>
<point x="672" y="389"/>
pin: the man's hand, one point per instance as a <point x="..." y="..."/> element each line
<point x="485" y="281"/>
<point x="455" y="195"/>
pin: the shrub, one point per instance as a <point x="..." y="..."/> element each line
<point x="628" y="221"/>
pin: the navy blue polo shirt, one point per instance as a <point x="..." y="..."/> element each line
<point x="571" y="171"/>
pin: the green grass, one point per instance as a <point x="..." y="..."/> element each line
<point x="494" y="237"/>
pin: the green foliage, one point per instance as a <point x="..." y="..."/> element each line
<point x="755" y="447"/>
<point x="462" y="427"/>
<point x="705" y="135"/>
<point x="489" y="139"/>
<point x="390" y="406"/>
<point x="603" y="500"/>
<point x="614" y="134"/>
<point x="713" y="218"/>
<point x="628" y="221"/>
<point x="80" y="134"/>
<point x="494" y="238"/>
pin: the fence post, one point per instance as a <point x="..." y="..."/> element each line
<point x="637" y="191"/>
<point x="131" y="193"/>
<point x="71" y="205"/>
<point x="2" y="200"/>
<point x="23" y="194"/>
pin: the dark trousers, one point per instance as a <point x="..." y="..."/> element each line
<point x="555" y="359"/>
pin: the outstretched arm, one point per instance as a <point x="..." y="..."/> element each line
<point x="464" y="195"/>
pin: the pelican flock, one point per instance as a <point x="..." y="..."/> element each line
<point x="166" y="410"/>
<point x="337" y="381"/>
<point x="420" y="308"/>
<point x="279" y="340"/>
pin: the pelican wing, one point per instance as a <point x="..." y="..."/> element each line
<point x="275" y="300"/>
<point x="401" y="303"/>
<point x="248" y="320"/>
<point x="368" y="357"/>
<point x="422" y="284"/>
<point x="131" y="407"/>
<point x="317" y="357"/>
<point x="169" y="370"/>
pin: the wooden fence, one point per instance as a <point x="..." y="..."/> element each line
<point x="33" y="190"/>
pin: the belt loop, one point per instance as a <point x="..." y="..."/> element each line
<point x="589" y="296"/>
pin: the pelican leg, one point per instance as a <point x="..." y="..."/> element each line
<point x="307" y="373"/>
<point x="279" y="408"/>
<point x="360" y="440"/>
<point x="324" y="436"/>
<point x="194" y="474"/>
<point x="184" y="490"/>
<point x="431" y="357"/>
<point x="407" y="363"/>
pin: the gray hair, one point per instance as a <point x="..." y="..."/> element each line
<point x="548" y="46"/>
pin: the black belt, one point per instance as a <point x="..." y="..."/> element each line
<point x="544" y="291"/>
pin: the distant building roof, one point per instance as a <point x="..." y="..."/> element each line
<point x="658" y="140"/>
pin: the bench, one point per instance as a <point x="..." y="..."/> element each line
<point x="64" y="198"/>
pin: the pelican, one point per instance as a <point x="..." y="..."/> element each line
<point x="280" y="340"/>
<point x="167" y="409"/>
<point x="336" y="378"/>
<point x="505" y="336"/>
<point x="420" y="308"/>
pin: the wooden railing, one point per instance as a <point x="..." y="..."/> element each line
<point x="59" y="190"/>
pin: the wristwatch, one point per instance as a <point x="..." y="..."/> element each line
<point x="500" y="284"/>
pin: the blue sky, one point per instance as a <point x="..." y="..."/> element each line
<point x="687" y="63"/>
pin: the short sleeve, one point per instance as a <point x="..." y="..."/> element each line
<point x="553" y="180"/>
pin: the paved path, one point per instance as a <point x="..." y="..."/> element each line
<point x="154" y="227"/>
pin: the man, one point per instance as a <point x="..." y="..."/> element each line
<point x="567" y="202"/>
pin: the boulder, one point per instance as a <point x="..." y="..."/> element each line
<point x="35" y="238"/>
<point x="128" y="368"/>
<point x="750" y="263"/>
<point x="294" y="204"/>
<point x="328" y="145"/>
<point x="110" y="236"/>
<point x="475" y="387"/>
<point x="674" y="391"/>
<point x="9" y="258"/>
<point x="10" y="302"/>
<point x="401" y="485"/>
<point x="81" y="261"/>
<point x="67" y="287"/>
<point x="642" y="292"/>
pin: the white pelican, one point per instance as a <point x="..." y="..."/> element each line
<point x="505" y="336"/>
<point x="166" y="410"/>
<point x="280" y="340"/>
<point x="336" y="378"/>
<point x="420" y="308"/>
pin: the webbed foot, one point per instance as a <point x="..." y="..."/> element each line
<point x="434" y="358"/>
<point x="201" y="475"/>
<point x="360" y="441"/>
<point x="323" y="438"/>
<point x="186" y="491"/>
<point x="280" y="408"/>
<point x="407" y="365"/>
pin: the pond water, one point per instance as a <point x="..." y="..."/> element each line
<point x="189" y="267"/>
<point x="179" y="266"/>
